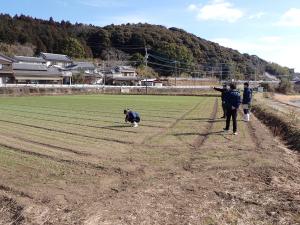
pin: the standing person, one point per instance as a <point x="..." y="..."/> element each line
<point x="233" y="101"/>
<point x="132" y="117"/>
<point x="223" y="91"/>
<point x="247" y="98"/>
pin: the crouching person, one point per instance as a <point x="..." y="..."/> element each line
<point x="132" y="117"/>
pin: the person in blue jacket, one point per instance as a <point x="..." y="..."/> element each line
<point x="233" y="101"/>
<point x="223" y="91"/>
<point x="247" y="98"/>
<point x="132" y="117"/>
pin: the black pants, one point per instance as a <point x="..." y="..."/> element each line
<point x="224" y="109"/>
<point x="231" y="113"/>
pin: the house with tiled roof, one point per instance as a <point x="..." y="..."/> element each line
<point x="27" y="59"/>
<point x="36" y="73"/>
<point x="6" y="70"/>
<point x="58" y="60"/>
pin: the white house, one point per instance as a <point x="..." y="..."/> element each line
<point x="151" y="83"/>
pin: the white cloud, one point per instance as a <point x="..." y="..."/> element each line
<point x="284" y="51"/>
<point x="271" y="39"/>
<point x="219" y="10"/>
<point x="290" y="18"/>
<point x="192" y="7"/>
<point x="257" y="15"/>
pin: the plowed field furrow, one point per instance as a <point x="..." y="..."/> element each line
<point x="78" y="163"/>
<point x="66" y="132"/>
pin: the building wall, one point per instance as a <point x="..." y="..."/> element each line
<point x="60" y="64"/>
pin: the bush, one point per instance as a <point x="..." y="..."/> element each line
<point x="268" y="87"/>
<point x="285" y="86"/>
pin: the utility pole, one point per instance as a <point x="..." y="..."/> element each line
<point x="175" y="72"/>
<point x="146" y="63"/>
<point x="221" y="74"/>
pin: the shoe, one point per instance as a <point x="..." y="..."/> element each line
<point x="235" y="133"/>
<point x="248" y="117"/>
<point x="135" y="124"/>
<point x="223" y="117"/>
<point x="225" y="130"/>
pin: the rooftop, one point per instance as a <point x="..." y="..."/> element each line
<point x="6" y="58"/>
<point x="55" y="57"/>
<point x="29" y="67"/>
<point x="51" y="72"/>
<point x="125" y="69"/>
<point x="82" y="66"/>
<point x="30" y="59"/>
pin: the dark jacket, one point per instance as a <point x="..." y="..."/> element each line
<point x="233" y="99"/>
<point x="223" y="93"/>
<point x="247" y="96"/>
<point x="132" y="117"/>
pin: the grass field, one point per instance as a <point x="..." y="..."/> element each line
<point x="73" y="160"/>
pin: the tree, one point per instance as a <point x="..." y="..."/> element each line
<point x="98" y="41"/>
<point x="177" y="52"/>
<point x="78" y="78"/>
<point x="73" y="48"/>
<point x="285" y="86"/>
<point x="137" y="59"/>
<point x="146" y="72"/>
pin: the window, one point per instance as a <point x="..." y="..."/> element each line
<point x="0" y="66"/>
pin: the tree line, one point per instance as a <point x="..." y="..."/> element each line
<point x="173" y="49"/>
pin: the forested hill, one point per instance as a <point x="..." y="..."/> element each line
<point x="170" y="50"/>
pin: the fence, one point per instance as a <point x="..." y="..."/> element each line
<point x="49" y="89"/>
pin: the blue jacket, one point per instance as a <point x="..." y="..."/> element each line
<point x="233" y="98"/>
<point x="132" y="117"/>
<point x="223" y="93"/>
<point x="247" y="96"/>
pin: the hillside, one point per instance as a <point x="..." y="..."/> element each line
<point x="171" y="50"/>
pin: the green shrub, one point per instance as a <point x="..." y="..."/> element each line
<point x="285" y="86"/>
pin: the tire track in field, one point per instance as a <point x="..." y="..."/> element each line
<point x="93" y="111"/>
<point x="252" y="133"/>
<point x="59" y="115"/>
<point x="165" y="130"/>
<point x="69" y="133"/>
<point x="83" y="164"/>
<point x="77" y="124"/>
<point x="82" y="119"/>
<point x="53" y="110"/>
<point x="201" y="139"/>
<point x="15" y="192"/>
<point x="47" y="145"/>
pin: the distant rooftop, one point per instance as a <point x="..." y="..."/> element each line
<point x="50" y="72"/>
<point x="55" y="57"/>
<point x="30" y="59"/>
<point x="82" y="66"/>
<point x="6" y="58"/>
<point x="29" y="67"/>
<point x="124" y="69"/>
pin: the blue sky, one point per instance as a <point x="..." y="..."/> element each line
<point x="267" y="28"/>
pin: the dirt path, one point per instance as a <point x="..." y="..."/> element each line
<point x="215" y="179"/>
